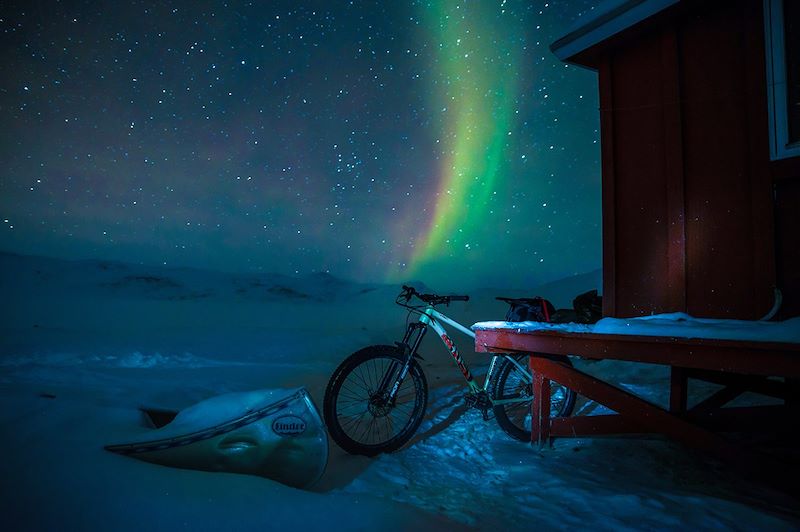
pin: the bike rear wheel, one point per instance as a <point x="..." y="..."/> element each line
<point x="359" y="417"/>
<point x="512" y="383"/>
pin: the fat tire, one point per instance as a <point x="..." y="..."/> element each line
<point x="513" y="429"/>
<point x="332" y="394"/>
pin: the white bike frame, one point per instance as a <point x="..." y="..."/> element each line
<point x="431" y="317"/>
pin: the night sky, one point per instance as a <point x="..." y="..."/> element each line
<point x="438" y="141"/>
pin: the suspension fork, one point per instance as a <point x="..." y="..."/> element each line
<point x="416" y="331"/>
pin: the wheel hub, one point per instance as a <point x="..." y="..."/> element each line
<point x="378" y="405"/>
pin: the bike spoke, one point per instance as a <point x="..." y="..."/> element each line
<point x="353" y="423"/>
<point x="350" y="384"/>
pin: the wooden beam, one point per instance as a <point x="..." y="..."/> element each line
<point x="753" y="358"/>
<point x="678" y="389"/>
<point x="540" y="410"/>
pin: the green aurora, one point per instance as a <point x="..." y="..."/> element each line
<point x="478" y="52"/>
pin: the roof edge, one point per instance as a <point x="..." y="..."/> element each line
<point x="607" y="24"/>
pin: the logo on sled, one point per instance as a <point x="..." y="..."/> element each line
<point x="289" y="426"/>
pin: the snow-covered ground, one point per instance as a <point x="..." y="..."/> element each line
<point x="84" y="344"/>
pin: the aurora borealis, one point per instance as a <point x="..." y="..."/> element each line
<point x="380" y="141"/>
<point x="476" y="89"/>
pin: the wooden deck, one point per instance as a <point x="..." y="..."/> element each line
<point x="771" y="369"/>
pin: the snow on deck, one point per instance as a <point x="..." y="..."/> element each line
<point x="676" y="324"/>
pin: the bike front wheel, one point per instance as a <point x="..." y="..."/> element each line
<point x="515" y="387"/>
<point x="360" y="417"/>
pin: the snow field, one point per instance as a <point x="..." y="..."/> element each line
<point x="85" y="344"/>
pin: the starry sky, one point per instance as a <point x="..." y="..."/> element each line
<point x="438" y="141"/>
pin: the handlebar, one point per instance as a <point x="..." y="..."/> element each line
<point x="431" y="299"/>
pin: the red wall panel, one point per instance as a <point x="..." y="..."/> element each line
<point x="717" y="180"/>
<point x="640" y="185"/>
<point x="689" y="186"/>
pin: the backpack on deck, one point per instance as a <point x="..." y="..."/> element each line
<point x="586" y="308"/>
<point x="530" y="309"/>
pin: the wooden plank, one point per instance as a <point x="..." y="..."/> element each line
<point x="540" y="410"/>
<point x="673" y="169"/>
<point x="756" y="358"/>
<point x="641" y="246"/>
<point x="605" y="81"/>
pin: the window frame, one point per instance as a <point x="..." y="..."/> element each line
<point x="780" y="148"/>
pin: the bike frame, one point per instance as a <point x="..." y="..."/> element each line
<point x="430" y="317"/>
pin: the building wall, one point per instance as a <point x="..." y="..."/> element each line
<point x="641" y="258"/>
<point x="691" y="222"/>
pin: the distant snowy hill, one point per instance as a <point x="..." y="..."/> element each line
<point x="117" y="279"/>
<point x="63" y="305"/>
<point x="51" y="304"/>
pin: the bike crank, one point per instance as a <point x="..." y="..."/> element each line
<point x="480" y="401"/>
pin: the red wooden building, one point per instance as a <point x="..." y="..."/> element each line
<point x="700" y="131"/>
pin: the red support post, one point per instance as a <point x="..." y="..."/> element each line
<point x="540" y="409"/>
<point x="678" y="385"/>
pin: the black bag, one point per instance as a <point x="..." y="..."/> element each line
<point x="530" y="309"/>
<point x="586" y="308"/>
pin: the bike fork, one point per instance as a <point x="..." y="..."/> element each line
<point x="417" y="332"/>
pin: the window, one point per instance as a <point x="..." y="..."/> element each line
<point x="782" y="31"/>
